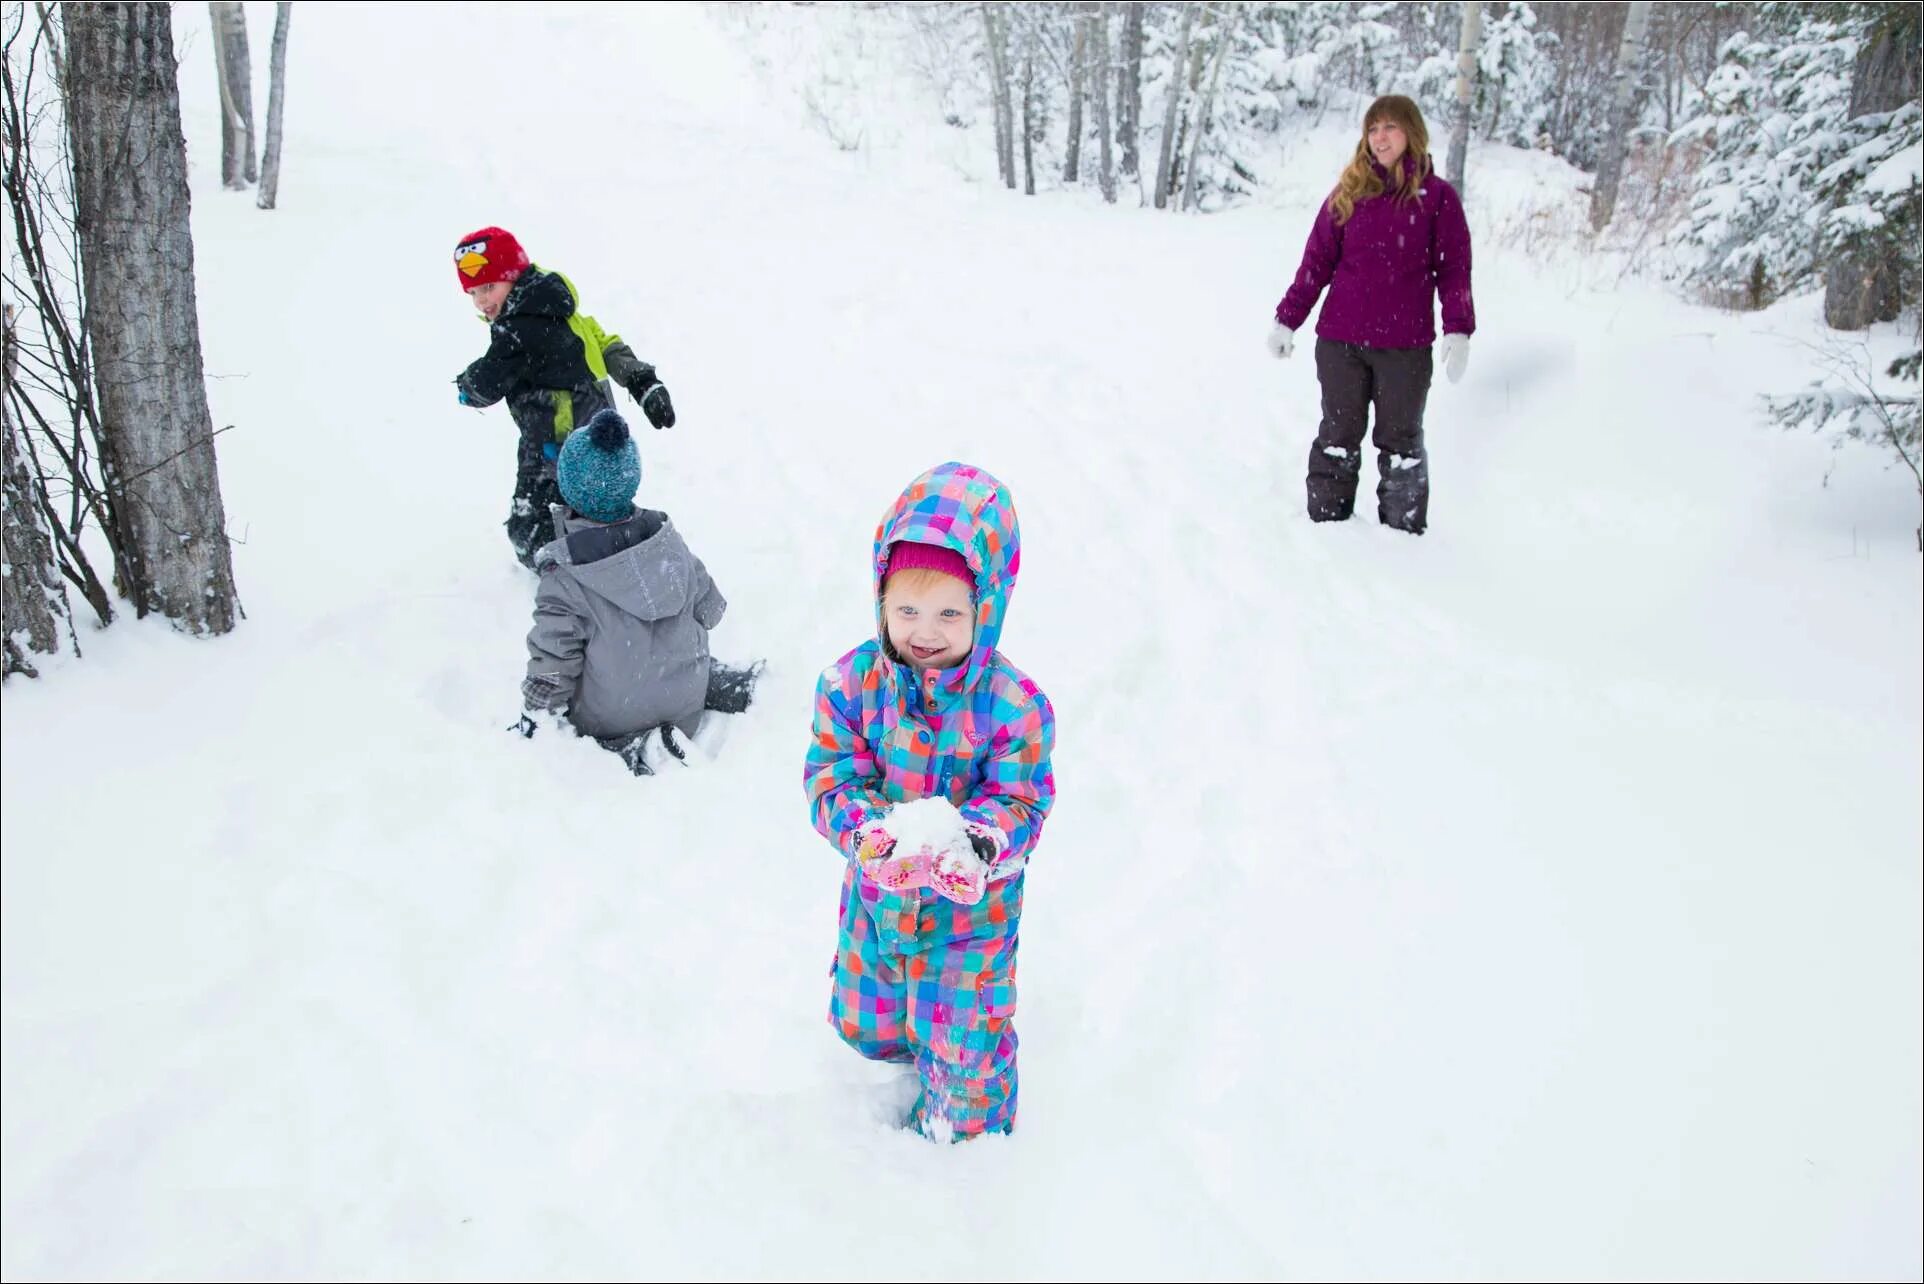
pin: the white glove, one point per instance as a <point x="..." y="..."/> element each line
<point x="1454" y="353"/>
<point x="1281" y="341"/>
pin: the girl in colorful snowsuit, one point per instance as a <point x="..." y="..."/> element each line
<point x="928" y="709"/>
<point x="1389" y="240"/>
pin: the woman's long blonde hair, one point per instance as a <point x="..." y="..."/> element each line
<point x="1360" y="182"/>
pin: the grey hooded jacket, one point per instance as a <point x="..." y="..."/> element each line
<point x="621" y="620"/>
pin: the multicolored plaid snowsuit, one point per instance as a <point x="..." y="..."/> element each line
<point x="917" y="977"/>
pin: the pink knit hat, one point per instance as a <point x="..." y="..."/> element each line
<point x="906" y="555"/>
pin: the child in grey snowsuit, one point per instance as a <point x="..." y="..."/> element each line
<point x="619" y="646"/>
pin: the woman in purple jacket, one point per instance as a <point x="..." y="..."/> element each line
<point x="1389" y="239"/>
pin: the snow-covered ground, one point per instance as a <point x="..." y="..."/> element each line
<point x="1539" y="898"/>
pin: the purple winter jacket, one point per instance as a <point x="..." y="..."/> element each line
<point x="1384" y="267"/>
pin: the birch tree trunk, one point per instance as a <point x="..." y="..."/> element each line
<point x="1028" y="104"/>
<point x="276" y="100"/>
<point x="1102" y="61"/>
<point x="1225" y="33"/>
<point x="137" y="256"/>
<point x="996" y="32"/>
<point x="235" y="71"/>
<point x="1623" y="106"/>
<point x="1129" y="91"/>
<point x="1078" y="65"/>
<point x="1455" y="166"/>
<point x="1178" y="72"/>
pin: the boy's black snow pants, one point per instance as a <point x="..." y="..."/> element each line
<point x="1397" y="382"/>
<point x="530" y="518"/>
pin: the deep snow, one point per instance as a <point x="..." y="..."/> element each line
<point x="1539" y="898"/>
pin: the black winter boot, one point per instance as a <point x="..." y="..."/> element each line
<point x="731" y="690"/>
<point x="647" y="750"/>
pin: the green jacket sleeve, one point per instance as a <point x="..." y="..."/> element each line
<point x="626" y="369"/>
<point x="623" y="366"/>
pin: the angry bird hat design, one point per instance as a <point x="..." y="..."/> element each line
<point x="487" y="256"/>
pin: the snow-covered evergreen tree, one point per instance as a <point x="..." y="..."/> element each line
<point x="1857" y="402"/>
<point x="1867" y="240"/>
<point x="1869" y="198"/>
<point x="1517" y="75"/>
<point x="1869" y="236"/>
<point x="1769" y="124"/>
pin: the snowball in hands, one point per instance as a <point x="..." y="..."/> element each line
<point x="1282" y="341"/>
<point x="931" y="833"/>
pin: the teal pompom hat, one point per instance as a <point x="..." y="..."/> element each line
<point x="599" y="470"/>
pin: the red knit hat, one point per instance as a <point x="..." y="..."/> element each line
<point x="906" y="555"/>
<point x="487" y="256"/>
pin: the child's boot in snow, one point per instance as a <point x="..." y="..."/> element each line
<point x="731" y="690"/>
<point x="650" y="751"/>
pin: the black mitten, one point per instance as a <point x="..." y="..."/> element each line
<point x="651" y="394"/>
<point x="659" y="409"/>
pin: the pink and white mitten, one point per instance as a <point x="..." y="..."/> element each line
<point x="889" y="864"/>
<point x="962" y="874"/>
<point x="959" y="876"/>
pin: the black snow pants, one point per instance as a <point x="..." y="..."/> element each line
<point x="530" y="522"/>
<point x="1397" y="382"/>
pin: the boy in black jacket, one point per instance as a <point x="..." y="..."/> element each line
<point x="552" y="363"/>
